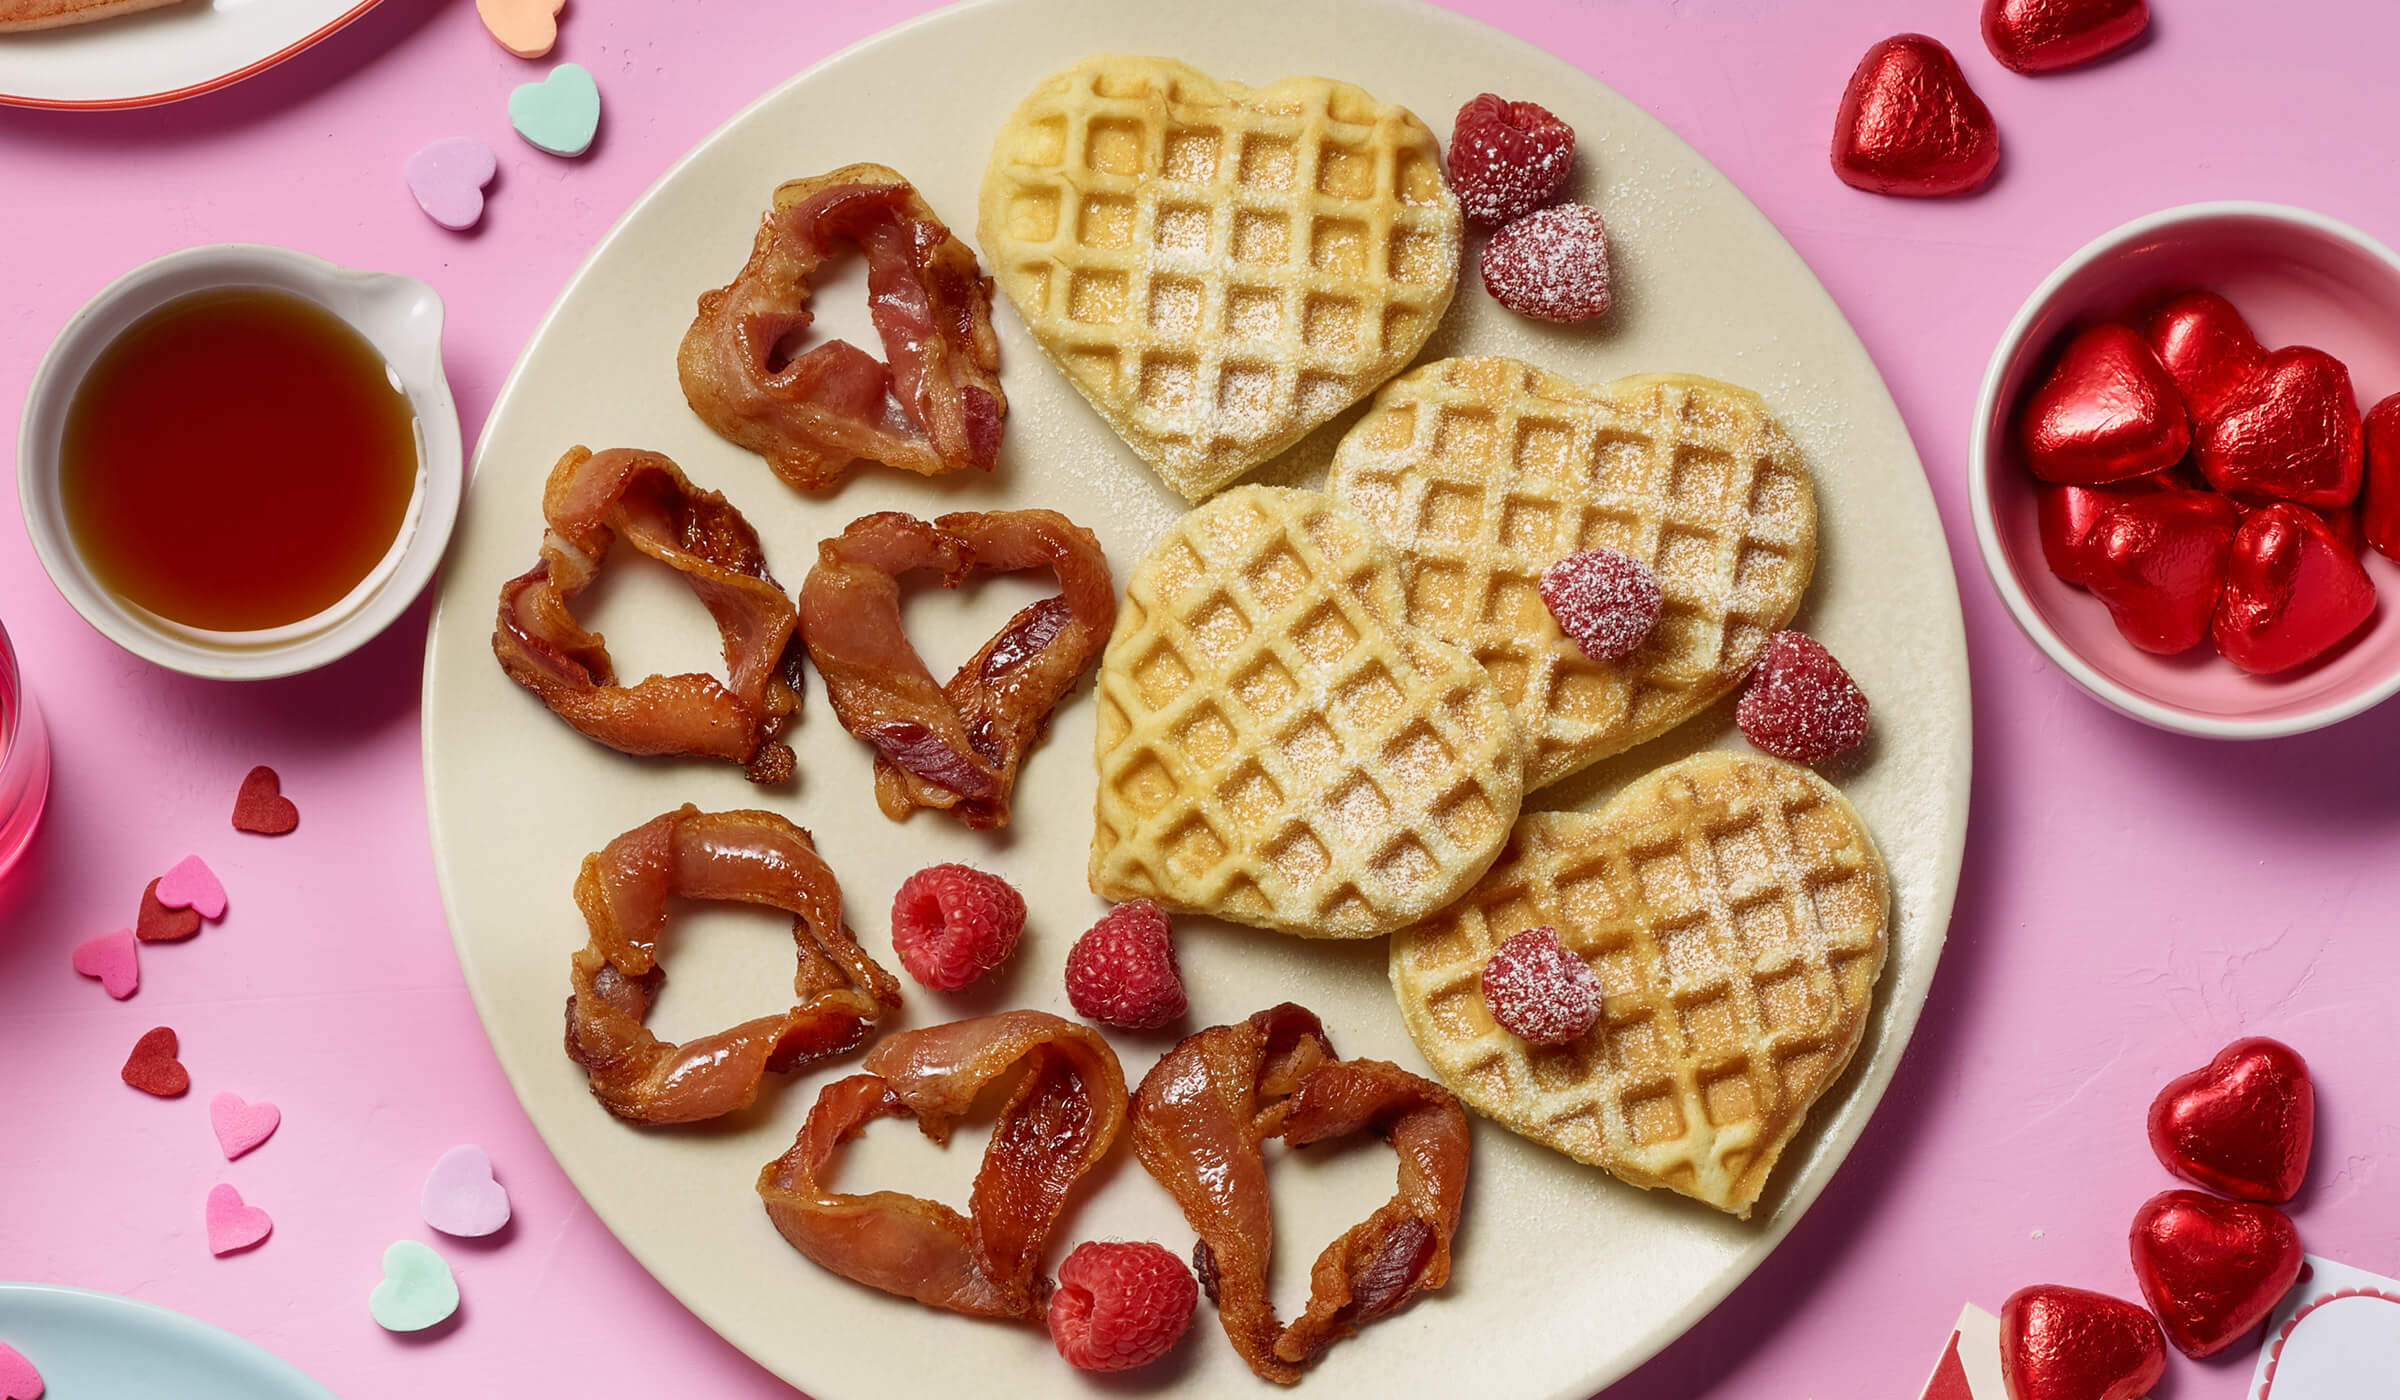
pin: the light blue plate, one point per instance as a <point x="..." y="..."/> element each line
<point x="98" y="1346"/>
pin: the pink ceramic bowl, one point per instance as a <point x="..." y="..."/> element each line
<point x="2298" y="278"/>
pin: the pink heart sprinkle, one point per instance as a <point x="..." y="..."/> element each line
<point x="461" y="1198"/>
<point x="114" y="958"/>
<point x="241" y="1126"/>
<point x="232" y="1225"/>
<point x="192" y="885"/>
<point x="448" y="177"/>
<point x="18" y="1379"/>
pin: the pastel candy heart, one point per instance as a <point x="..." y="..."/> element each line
<point x="115" y="959"/>
<point x="447" y="179"/>
<point x="242" y="1125"/>
<point x="526" y="28"/>
<point x="18" y="1379"/>
<point x="233" y="1225"/>
<point x="417" y="1290"/>
<point x="561" y="113"/>
<point x="192" y="885"/>
<point x="460" y="1196"/>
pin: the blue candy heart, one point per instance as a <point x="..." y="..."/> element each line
<point x="561" y="113"/>
<point x="417" y="1290"/>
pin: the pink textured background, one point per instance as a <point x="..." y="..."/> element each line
<point x="2131" y="899"/>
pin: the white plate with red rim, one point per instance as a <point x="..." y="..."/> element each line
<point x="162" y="55"/>
<point x="1565" y="1278"/>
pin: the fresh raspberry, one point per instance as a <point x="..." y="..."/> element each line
<point x="952" y="923"/>
<point x="1507" y="159"/>
<point x="1607" y="602"/>
<point x="1122" y="972"/>
<point x="1538" y="991"/>
<point x="1801" y="704"/>
<point x="1551" y="265"/>
<point x="1119" y="1305"/>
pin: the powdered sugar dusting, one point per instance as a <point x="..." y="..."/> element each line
<point x="1551" y="265"/>
<point x="1606" y="601"/>
<point x="1538" y="991"/>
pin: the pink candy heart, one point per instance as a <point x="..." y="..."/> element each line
<point x="232" y="1225"/>
<point x="115" y="959"/>
<point x="448" y="177"/>
<point x="241" y="1125"/>
<point x="18" y="1379"/>
<point x="461" y="1198"/>
<point x="192" y="885"/>
<point x="526" y="28"/>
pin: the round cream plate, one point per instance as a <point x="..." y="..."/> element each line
<point x="1565" y="1278"/>
<point x="162" y="55"/>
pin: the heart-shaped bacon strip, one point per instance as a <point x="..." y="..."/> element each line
<point x="748" y="857"/>
<point x="935" y="408"/>
<point x="2108" y="412"/>
<point x="2158" y="562"/>
<point x="2043" y="36"/>
<point x="2289" y="432"/>
<point x="2207" y="349"/>
<point x="2212" y="1269"/>
<point x="2293" y="590"/>
<point x="591" y="501"/>
<point x="1060" y="1120"/>
<point x="1910" y="125"/>
<point x="955" y="747"/>
<point x="1199" y="1119"/>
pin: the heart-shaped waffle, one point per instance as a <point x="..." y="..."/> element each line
<point x="1734" y="909"/>
<point x="1484" y="472"/>
<point x="1277" y="746"/>
<point x="1219" y="269"/>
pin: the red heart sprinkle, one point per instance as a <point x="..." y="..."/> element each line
<point x="156" y="923"/>
<point x="2061" y="1343"/>
<point x="2158" y="562"/>
<point x="2108" y="412"/>
<point x="2043" y="36"/>
<point x="153" y="1068"/>
<point x="2212" y="1269"/>
<point x="261" y="808"/>
<point x="2380" y="505"/>
<point x="2289" y="432"/>
<point x="2243" y="1124"/>
<point x="2207" y="349"/>
<point x="1910" y="125"/>
<point x="2293" y="591"/>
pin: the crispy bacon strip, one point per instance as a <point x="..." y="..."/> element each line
<point x="954" y="747"/>
<point x="751" y="857"/>
<point x="935" y="408"/>
<point x="1198" y="1121"/>
<point x="591" y="501"/>
<point x="1059" y="1122"/>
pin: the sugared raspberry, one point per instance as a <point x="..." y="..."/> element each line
<point x="1507" y="159"/>
<point x="1119" y="1305"/>
<point x="1605" y="601"/>
<point x="1801" y="704"/>
<point x="952" y="923"/>
<point x="1538" y="991"/>
<point x="1551" y="265"/>
<point x="1122" y="972"/>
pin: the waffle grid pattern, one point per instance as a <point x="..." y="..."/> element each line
<point x="1219" y="269"/>
<point x="1483" y="472"/>
<point x="1734" y="909"/>
<point x="1272" y="750"/>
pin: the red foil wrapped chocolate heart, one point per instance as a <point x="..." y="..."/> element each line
<point x="2379" y="502"/>
<point x="2243" y="1124"/>
<point x="2158" y="561"/>
<point x="2290" y="432"/>
<point x="2293" y="591"/>
<point x="2107" y="412"/>
<point x="2043" y="36"/>
<point x="2207" y="349"/>
<point x="2212" y="1269"/>
<point x="2060" y="1343"/>
<point x="2066" y="515"/>
<point x="1910" y="125"/>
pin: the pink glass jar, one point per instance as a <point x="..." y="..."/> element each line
<point x="24" y="760"/>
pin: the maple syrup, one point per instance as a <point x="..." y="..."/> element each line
<point x="237" y="459"/>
